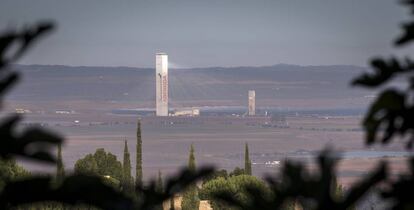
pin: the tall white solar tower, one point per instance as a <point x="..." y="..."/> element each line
<point x="161" y="81"/>
<point x="252" y="102"/>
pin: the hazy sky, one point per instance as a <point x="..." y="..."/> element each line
<point x="198" y="33"/>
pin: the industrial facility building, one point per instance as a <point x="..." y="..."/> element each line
<point x="187" y="112"/>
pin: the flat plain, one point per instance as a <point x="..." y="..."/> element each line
<point x="165" y="147"/>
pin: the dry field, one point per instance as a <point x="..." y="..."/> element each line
<point x="165" y="148"/>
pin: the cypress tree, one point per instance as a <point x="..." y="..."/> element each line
<point x="172" y="205"/>
<point x="159" y="188"/>
<point x="191" y="159"/>
<point x="190" y="199"/>
<point x="247" y="161"/>
<point x="159" y="185"/>
<point x="126" y="167"/>
<point x="60" y="169"/>
<point x="138" y="168"/>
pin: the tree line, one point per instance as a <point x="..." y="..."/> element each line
<point x="118" y="175"/>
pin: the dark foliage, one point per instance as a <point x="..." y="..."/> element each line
<point x="391" y="115"/>
<point x="216" y="174"/>
<point x="73" y="190"/>
<point x="237" y="171"/>
<point x="313" y="191"/>
<point x="190" y="199"/>
<point x="408" y="27"/>
<point x="60" y="168"/>
<point x="149" y="197"/>
<point x="138" y="160"/>
<point x="35" y="144"/>
<point x="32" y="143"/>
<point x="24" y="39"/>
<point x="392" y="112"/>
<point x="385" y="70"/>
<point x="401" y="190"/>
<point x="127" y="179"/>
<point x="247" y="161"/>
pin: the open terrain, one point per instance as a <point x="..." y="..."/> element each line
<point x="165" y="147"/>
<point x="91" y="94"/>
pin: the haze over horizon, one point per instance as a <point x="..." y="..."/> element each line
<point x="211" y="33"/>
<point x="173" y="66"/>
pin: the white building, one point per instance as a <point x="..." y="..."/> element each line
<point x="161" y="81"/>
<point x="192" y="112"/>
<point x="252" y="102"/>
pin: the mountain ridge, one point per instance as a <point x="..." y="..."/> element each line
<point x="277" y="86"/>
<point x="266" y="67"/>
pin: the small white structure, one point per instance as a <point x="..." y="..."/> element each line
<point x="22" y="111"/>
<point x="187" y="112"/>
<point x="65" y="112"/>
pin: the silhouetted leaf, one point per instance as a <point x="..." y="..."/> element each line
<point x="361" y="188"/>
<point x="390" y="115"/>
<point x="400" y="192"/>
<point x="313" y="191"/>
<point x="150" y="197"/>
<point x="384" y="71"/>
<point x="408" y="28"/>
<point x="408" y="35"/>
<point x="23" y="40"/>
<point x="33" y="143"/>
<point x="7" y="82"/>
<point x="77" y="189"/>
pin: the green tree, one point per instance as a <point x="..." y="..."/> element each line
<point x="126" y="167"/>
<point x="237" y="171"/>
<point x="159" y="184"/>
<point x="60" y="169"/>
<point x="191" y="159"/>
<point x="159" y="187"/>
<point x="247" y="161"/>
<point x="138" y="168"/>
<point x="219" y="173"/>
<point x="86" y="165"/>
<point x="100" y="163"/>
<point x="339" y="192"/>
<point x="108" y="165"/>
<point x="236" y="185"/>
<point x="10" y="170"/>
<point x="213" y="186"/>
<point x="190" y="198"/>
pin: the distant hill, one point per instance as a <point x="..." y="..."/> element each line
<point x="279" y="85"/>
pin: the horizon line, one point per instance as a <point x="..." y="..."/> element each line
<point x="207" y="67"/>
